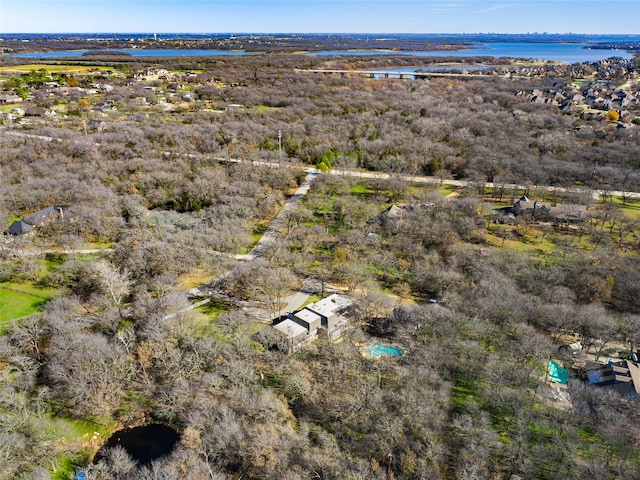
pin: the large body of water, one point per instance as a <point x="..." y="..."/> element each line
<point x="560" y="52"/>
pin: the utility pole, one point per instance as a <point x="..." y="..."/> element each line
<point x="279" y="145"/>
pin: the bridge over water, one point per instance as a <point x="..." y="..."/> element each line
<point x="410" y="75"/>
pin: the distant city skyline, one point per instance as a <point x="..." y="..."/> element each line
<point x="320" y="16"/>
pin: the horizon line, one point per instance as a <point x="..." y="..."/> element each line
<point x="324" y="33"/>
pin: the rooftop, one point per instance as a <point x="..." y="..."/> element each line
<point x="331" y="304"/>
<point x="307" y="316"/>
<point x="290" y="328"/>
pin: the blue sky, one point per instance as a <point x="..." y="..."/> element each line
<point x="327" y="16"/>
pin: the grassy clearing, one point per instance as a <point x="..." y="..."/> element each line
<point x="462" y="393"/>
<point x="631" y="208"/>
<point x="446" y="190"/>
<point x="361" y="189"/>
<point x="196" y="278"/>
<point x="528" y="243"/>
<point x="203" y="320"/>
<point x="16" y="305"/>
<point x="19" y="300"/>
<point x="68" y="69"/>
<point x="256" y="235"/>
<point x="263" y="108"/>
<point x="80" y="437"/>
<point x="9" y="107"/>
<point x="312" y="299"/>
<point x="30" y="289"/>
<point x="205" y="323"/>
<point x="214" y="309"/>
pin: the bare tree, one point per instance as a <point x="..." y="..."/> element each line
<point x="117" y="283"/>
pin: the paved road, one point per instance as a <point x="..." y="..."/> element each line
<point x="416" y="179"/>
<point x="420" y="179"/>
<point x="293" y="301"/>
<point x="278" y="222"/>
<point x="596" y="193"/>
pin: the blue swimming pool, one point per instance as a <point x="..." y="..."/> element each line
<point x="379" y="349"/>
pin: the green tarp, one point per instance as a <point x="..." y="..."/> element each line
<point x="557" y="373"/>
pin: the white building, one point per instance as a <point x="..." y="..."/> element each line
<point x="321" y="319"/>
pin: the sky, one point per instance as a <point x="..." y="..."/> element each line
<point x="320" y="16"/>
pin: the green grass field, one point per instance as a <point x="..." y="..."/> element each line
<point x="68" y="69"/>
<point x="446" y="189"/>
<point x="8" y="108"/>
<point x="529" y="243"/>
<point x="361" y="189"/>
<point x="20" y="300"/>
<point x="76" y="441"/>
<point x="204" y="323"/>
<point x="631" y="209"/>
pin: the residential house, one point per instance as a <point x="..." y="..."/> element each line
<point x="96" y="125"/>
<point x="38" y="112"/>
<point x="392" y="216"/>
<point x="562" y="214"/>
<point x="43" y="217"/>
<point x="329" y="310"/>
<point x="19" y="227"/>
<point x="47" y="216"/>
<point x="322" y="319"/>
<point x="623" y="376"/>
<point x="9" y="98"/>
<point x="293" y="336"/>
<point x="104" y="107"/>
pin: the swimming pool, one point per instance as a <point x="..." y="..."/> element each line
<point x="379" y="349"/>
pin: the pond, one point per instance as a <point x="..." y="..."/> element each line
<point x="380" y="349"/>
<point x="144" y="444"/>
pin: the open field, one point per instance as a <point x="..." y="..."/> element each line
<point x="11" y="106"/>
<point x="20" y="300"/>
<point x="631" y="208"/>
<point x="53" y="68"/>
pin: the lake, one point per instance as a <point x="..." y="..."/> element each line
<point x="561" y="52"/>
<point x="134" y="52"/>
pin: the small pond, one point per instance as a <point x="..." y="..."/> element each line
<point x="144" y="444"/>
<point x="379" y="349"/>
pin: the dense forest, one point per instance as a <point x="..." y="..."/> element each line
<point x="169" y="174"/>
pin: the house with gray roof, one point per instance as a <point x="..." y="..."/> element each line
<point x="19" y="227"/>
<point x="322" y="319"/>
<point x="561" y="214"/>
<point x="9" y="98"/>
<point x="46" y="216"/>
